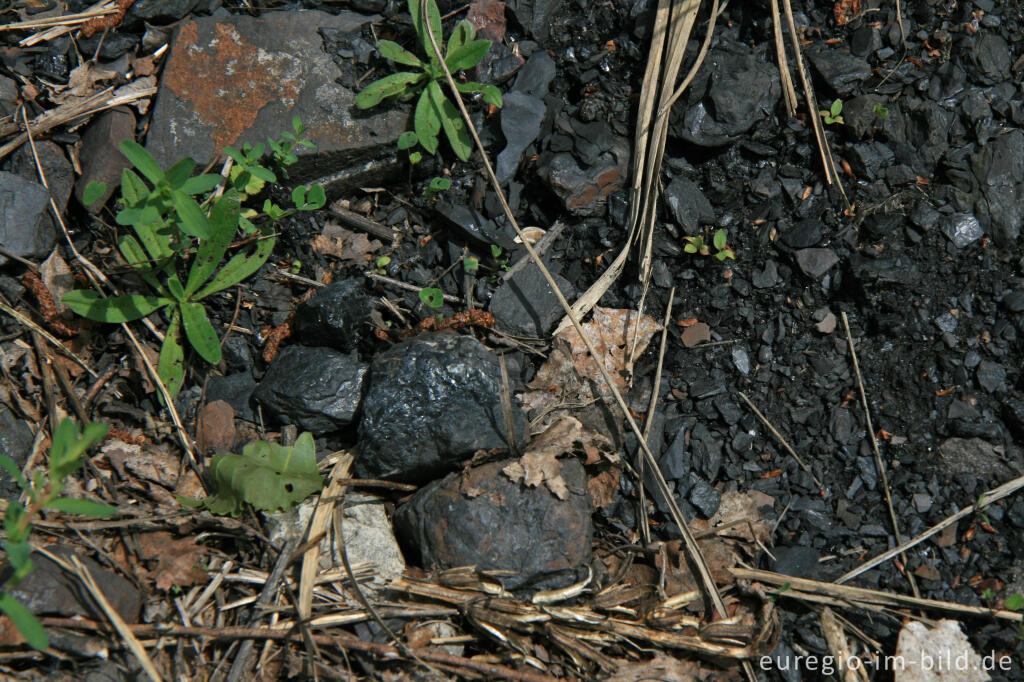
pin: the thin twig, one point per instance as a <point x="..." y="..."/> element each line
<point x="408" y="287"/>
<point x="50" y="338"/>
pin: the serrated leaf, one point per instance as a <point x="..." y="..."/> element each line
<point x="427" y="122"/>
<point x="223" y="225"/>
<point x="193" y="220"/>
<point x="201" y="184"/>
<point x="25" y="622"/>
<point x="238" y="268"/>
<point x="452" y="123"/>
<point x="93" y="192"/>
<point x="142" y="160"/>
<point x="396" y="53"/>
<point x="408" y="139"/>
<point x="461" y="34"/>
<point x="268" y="476"/>
<point x="389" y="86"/>
<point x="81" y="507"/>
<point x="200" y="332"/>
<point x="115" y="309"/>
<point x="467" y="56"/>
<point x="171" y="367"/>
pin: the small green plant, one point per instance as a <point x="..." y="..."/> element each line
<point x="783" y="588"/>
<point x="436" y="186"/>
<point x="834" y="113"/>
<point x="432" y="297"/>
<point x="43" y="492"/>
<point x="1015" y="602"/>
<point x="267" y="476"/>
<point x="988" y="594"/>
<point x="434" y="112"/>
<point x="470" y="264"/>
<point x="381" y="265"/>
<point x="720" y="241"/>
<point x="169" y="223"/>
<point x="496" y="254"/>
<point x="880" y="112"/>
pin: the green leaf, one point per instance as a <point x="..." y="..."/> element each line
<point x="172" y="356"/>
<point x="200" y="332"/>
<point x="179" y="173"/>
<point x="720" y="239"/>
<point x="81" y="507"/>
<point x="462" y="34"/>
<point x="201" y="184"/>
<point x="115" y="309"/>
<point x="193" y="220"/>
<point x="432" y="297"/>
<point x="439" y="184"/>
<point x="471" y="264"/>
<point x="415" y="157"/>
<point x="434" y="19"/>
<point x="1015" y="602"/>
<point x="836" y="108"/>
<point x="408" y="140"/>
<point x="13" y="519"/>
<point x="690" y="248"/>
<point x="468" y="55"/>
<point x="93" y="192"/>
<point x="389" y="86"/>
<point x="491" y="94"/>
<point x="397" y="53"/>
<point x="174" y="286"/>
<point x="451" y="121"/>
<point x="142" y="160"/>
<point x="309" y="198"/>
<point x="68" y="447"/>
<point x="25" y="621"/>
<point x="267" y="476"/>
<point x="427" y="122"/>
<point x="223" y="225"/>
<point x="133" y="189"/>
<point x="238" y="268"/>
<point x="8" y="465"/>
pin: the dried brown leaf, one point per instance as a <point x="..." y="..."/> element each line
<point x="603" y="486"/>
<point x="612" y="331"/>
<point x="177" y="560"/>
<point x="488" y="17"/>
<point x="344" y="244"/>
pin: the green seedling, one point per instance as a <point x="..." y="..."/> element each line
<point x="1015" y="602"/>
<point x="496" y="254"/>
<point x="434" y="112"/>
<point x="43" y="492"/>
<point x="988" y="594"/>
<point x="381" y="265"/>
<point x="432" y="297"/>
<point x="436" y="186"/>
<point x="720" y="241"/>
<point x="880" y="112"/>
<point x="834" y="113"/>
<point x="470" y="264"/>
<point x="267" y="476"/>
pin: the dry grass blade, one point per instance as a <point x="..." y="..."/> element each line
<point x="318" y="525"/>
<point x="693" y="549"/>
<point x="780" y="54"/>
<point x="836" y="639"/>
<point x="802" y="588"/>
<point x="98" y="10"/>
<point x="879" y="464"/>
<point x="50" y="338"/>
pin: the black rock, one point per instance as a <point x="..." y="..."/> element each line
<point x="799" y="562"/>
<point x="438" y="396"/>
<point x="864" y="41"/>
<point x="688" y="205"/>
<point x="804" y="234"/>
<point x="481" y="517"/>
<point x="769" y="277"/>
<point x="737" y="87"/>
<point x="867" y="272"/>
<point x="843" y="72"/>
<point x="990" y="57"/>
<point x="101" y="158"/>
<point x="860" y="114"/>
<point x="536" y="75"/>
<point x="1014" y="301"/>
<point x="25" y="226"/>
<point x="534" y="15"/>
<point x="962" y="229"/>
<point x="991" y="375"/>
<point x="161" y="10"/>
<point x="704" y="496"/>
<point x="16" y="443"/>
<point x="521" y="116"/>
<point x="234" y="389"/>
<point x="334" y="315"/>
<point x="526" y="305"/>
<point x="474" y="225"/>
<point x="999" y="168"/>
<point x="317" y="389"/>
<point x="816" y="262"/>
<point x="870" y="160"/>
<point x="1013" y="414"/>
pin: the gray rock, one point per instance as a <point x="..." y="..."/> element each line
<point x="526" y="305"/>
<point x="480" y="517"/>
<point x="972" y="455"/>
<point x="816" y="262"/>
<point x="799" y="562"/>
<point x="234" y="389"/>
<point x="25" y="226"/>
<point x="843" y="72"/>
<point x="688" y="205"/>
<point x="274" y="67"/>
<point x="60" y="175"/>
<point x="161" y="10"/>
<point x="317" y="389"/>
<point x="433" y="401"/>
<point x="15" y="442"/>
<point x="334" y="315"/>
<point x="962" y="229"/>
<point x="991" y="375"/>
<point x="999" y="168"/>
<point x="521" y="116"/>
<point x="704" y="496"/>
<point x="101" y="158"/>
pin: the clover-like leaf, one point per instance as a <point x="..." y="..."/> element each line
<point x="268" y="476"/>
<point x="408" y="140"/>
<point x="432" y="297"/>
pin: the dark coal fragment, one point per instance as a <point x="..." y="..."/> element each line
<point x="1014" y="301"/>
<point x="804" y="234"/>
<point x="526" y="305"/>
<point x="481" y="517"/>
<point x="433" y="401"/>
<point x="870" y="160"/>
<point x="861" y="116"/>
<point x="769" y="277"/>
<point x="25" y="226"/>
<point x="816" y="262"/>
<point x="236" y="390"/>
<point x="962" y="229"/>
<point x="737" y="89"/>
<point x="534" y="15"/>
<point x="521" y="116"/>
<point x="990" y="58"/>
<point x="474" y="225"/>
<point x="972" y="455"/>
<point x="675" y="462"/>
<point x="334" y="315"/>
<point x="688" y="205"/>
<point x="865" y="40"/>
<point x="317" y="389"/>
<point x="161" y="10"/>
<point x="999" y="168"/>
<point x="991" y="375"/>
<point x="799" y="562"/>
<point x="16" y="443"/>
<point x="867" y="272"/>
<point x="704" y="496"/>
<point x="843" y="72"/>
